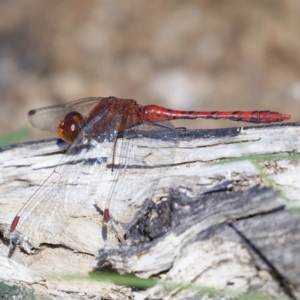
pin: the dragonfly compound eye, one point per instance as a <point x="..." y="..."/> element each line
<point x="69" y="128"/>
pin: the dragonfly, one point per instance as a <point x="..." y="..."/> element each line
<point x="105" y="133"/>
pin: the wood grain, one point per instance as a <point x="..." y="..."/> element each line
<point x="213" y="224"/>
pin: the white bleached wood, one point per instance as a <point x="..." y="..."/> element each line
<point x="24" y="167"/>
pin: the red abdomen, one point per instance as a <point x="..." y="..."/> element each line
<point x="154" y="112"/>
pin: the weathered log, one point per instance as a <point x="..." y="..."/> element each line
<point x="226" y="225"/>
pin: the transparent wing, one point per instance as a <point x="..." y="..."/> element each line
<point x="142" y="157"/>
<point x="47" y="118"/>
<point x="45" y="217"/>
<point x="117" y="171"/>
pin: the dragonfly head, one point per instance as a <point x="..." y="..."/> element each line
<point x="69" y="128"/>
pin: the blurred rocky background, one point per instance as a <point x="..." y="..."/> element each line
<point x="189" y="55"/>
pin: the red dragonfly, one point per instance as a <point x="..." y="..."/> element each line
<point x="105" y="133"/>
